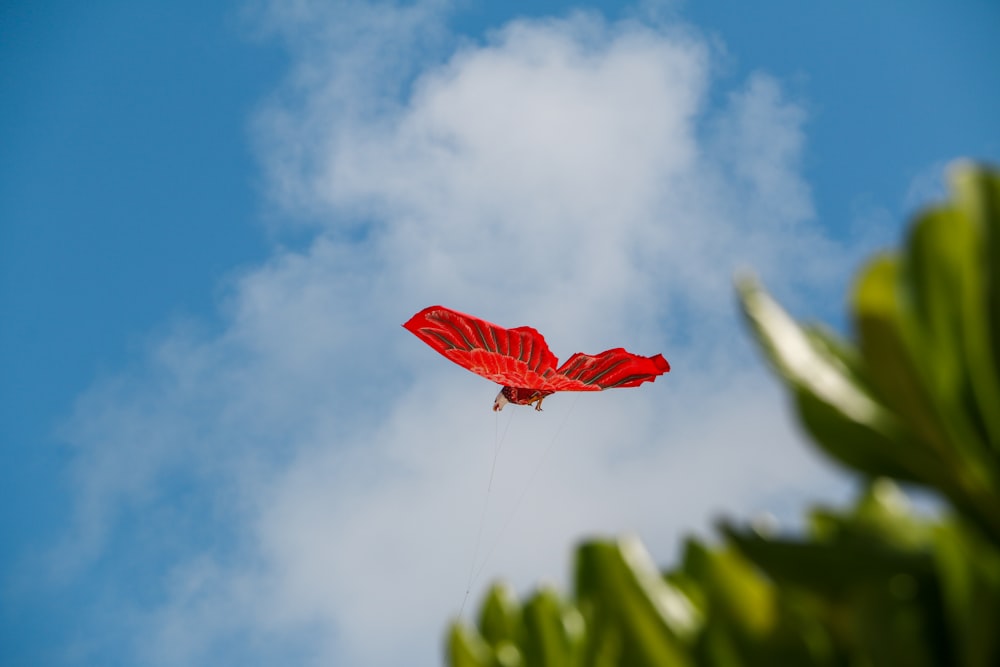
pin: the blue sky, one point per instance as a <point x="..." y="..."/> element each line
<point x="218" y="446"/>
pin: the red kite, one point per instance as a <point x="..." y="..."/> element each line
<point x="520" y="360"/>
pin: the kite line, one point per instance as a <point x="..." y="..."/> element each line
<point x="498" y="441"/>
<point x="476" y="572"/>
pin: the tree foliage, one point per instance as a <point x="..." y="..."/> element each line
<point x="914" y="399"/>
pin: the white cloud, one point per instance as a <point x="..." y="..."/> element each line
<point x="565" y="174"/>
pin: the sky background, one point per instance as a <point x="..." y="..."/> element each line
<point x="219" y="447"/>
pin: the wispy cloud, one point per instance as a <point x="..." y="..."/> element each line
<point x="319" y="475"/>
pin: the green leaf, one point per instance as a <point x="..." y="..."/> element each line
<point x="735" y="590"/>
<point x="934" y="286"/>
<point x="884" y="512"/>
<point x="977" y="201"/>
<point x="970" y="575"/>
<point x="878" y="540"/>
<point x="553" y="632"/>
<point x="623" y="595"/>
<point x="875" y="448"/>
<point x="872" y="573"/>
<point x="885" y="336"/>
<point x="507" y="654"/>
<point x="833" y="397"/>
<point x="467" y="649"/>
<point x="500" y="617"/>
<point x="948" y="331"/>
<point x="924" y="335"/>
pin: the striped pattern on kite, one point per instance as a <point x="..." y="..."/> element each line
<point x="520" y="359"/>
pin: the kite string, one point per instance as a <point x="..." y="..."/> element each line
<point x="498" y="441"/>
<point x="524" y="492"/>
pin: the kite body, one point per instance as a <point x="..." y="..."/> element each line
<point x="520" y="360"/>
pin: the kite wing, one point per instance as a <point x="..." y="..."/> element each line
<point x="520" y="358"/>
<point x="609" y="369"/>
<point x="511" y="357"/>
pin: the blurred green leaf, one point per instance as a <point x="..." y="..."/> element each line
<point x="933" y="269"/>
<point x="834" y="404"/>
<point x="500" y="618"/>
<point x="507" y="654"/>
<point x="977" y="200"/>
<point x="924" y="333"/>
<point x="871" y="572"/>
<point x="733" y="587"/>
<point x="619" y="579"/>
<point x="554" y="632"/>
<point x="970" y="573"/>
<point x="883" y="327"/>
<point x="873" y="543"/>
<point x="467" y="649"/>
